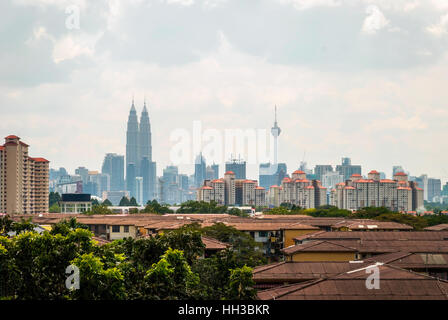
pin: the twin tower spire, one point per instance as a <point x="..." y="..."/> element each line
<point x="138" y="139"/>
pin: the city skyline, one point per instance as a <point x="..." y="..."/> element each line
<point x="389" y="110"/>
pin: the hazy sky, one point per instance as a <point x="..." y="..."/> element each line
<point x="365" y="79"/>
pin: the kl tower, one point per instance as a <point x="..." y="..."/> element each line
<point x="275" y="131"/>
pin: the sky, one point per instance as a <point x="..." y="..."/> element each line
<point x="365" y="79"/>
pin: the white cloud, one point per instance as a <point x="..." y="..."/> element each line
<point x="72" y="46"/>
<point x="374" y="21"/>
<point x="440" y="28"/>
<point x="307" y="4"/>
<point x="185" y="3"/>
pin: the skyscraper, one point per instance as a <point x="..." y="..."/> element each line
<point x="148" y="173"/>
<point x="132" y="141"/>
<point x="347" y="169"/>
<point x="113" y="165"/>
<point x="139" y="154"/>
<point x="237" y="166"/>
<point x="199" y="170"/>
<point x="145" y="147"/>
<point x="23" y="180"/>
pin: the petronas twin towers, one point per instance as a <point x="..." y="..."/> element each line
<point x="139" y="156"/>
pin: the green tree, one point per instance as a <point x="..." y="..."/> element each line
<point x="6" y="224"/>
<point x="133" y="202"/>
<point x="171" y="278"/>
<point x="237" y="212"/>
<point x="54" y="208"/>
<point x="245" y="248"/>
<point x="64" y="227"/>
<point x="152" y="206"/>
<point x="241" y="284"/>
<point x="107" y="203"/>
<point x="101" y="209"/>
<point x="53" y="198"/>
<point x="96" y="281"/>
<point x="124" y="202"/>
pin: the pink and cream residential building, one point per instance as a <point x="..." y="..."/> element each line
<point x="397" y="194"/>
<point x="23" y="180"/>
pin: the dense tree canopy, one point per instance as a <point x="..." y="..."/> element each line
<point x="163" y="266"/>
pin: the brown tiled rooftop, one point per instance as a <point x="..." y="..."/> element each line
<point x="386" y="236"/>
<point x="319" y="246"/>
<point x="395" y="284"/>
<point x="293" y="271"/>
<point x="438" y="227"/>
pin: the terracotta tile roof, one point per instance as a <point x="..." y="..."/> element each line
<point x="292" y="271"/>
<point x="39" y="159"/>
<point x="400" y="174"/>
<point x="438" y="227"/>
<point x="301" y="180"/>
<point x="229" y="172"/>
<point x="372" y="225"/>
<point x="12" y="137"/>
<point x="318" y="246"/>
<point x="298" y="172"/>
<point x="213" y="244"/>
<point x="387" y="181"/>
<point x="100" y="241"/>
<point x="378" y="236"/>
<point x="395" y="284"/>
<point x="374" y="172"/>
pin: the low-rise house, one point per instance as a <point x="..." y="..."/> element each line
<point x="438" y="227"/>
<point x="394" y="284"/>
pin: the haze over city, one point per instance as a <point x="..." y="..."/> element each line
<point x="369" y="83"/>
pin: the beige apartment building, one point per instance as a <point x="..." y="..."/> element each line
<point x="300" y="191"/>
<point x="23" y="179"/>
<point x="231" y="191"/>
<point x="398" y="194"/>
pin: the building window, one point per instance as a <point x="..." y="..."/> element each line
<point x="126" y="229"/>
<point x="115" y="228"/>
<point x="263" y="234"/>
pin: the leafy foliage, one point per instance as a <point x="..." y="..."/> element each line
<point x="155" y="207"/>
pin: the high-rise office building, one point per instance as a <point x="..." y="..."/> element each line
<point x="83" y="172"/>
<point x="139" y="190"/>
<point x="434" y="188"/>
<point x="148" y="173"/>
<point x="131" y="174"/>
<point x="238" y="167"/>
<point x="24" y="181"/>
<point x="271" y="174"/>
<point x="320" y="170"/>
<point x="346" y="169"/>
<point x="139" y="153"/>
<point x="113" y="165"/>
<point x="200" y="171"/>
<point x="331" y="179"/>
<point x="212" y="172"/>
<point x="170" y="174"/>
<point x="145" y="143"/>
<point x="132" y="142"/>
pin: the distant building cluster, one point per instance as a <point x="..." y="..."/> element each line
<point x="299" y="191"/>
<point x="398" y="194"/>
<point x="232" y="191"/>
<point x="23" y="179"/>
